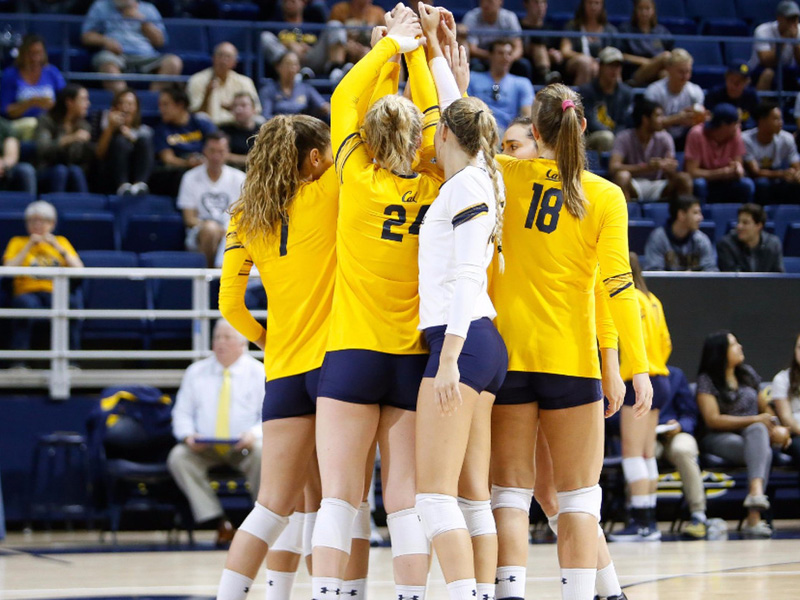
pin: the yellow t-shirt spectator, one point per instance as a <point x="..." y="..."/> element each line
<point x="40" y="255"/>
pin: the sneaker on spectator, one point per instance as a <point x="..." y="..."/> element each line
<point x="695" y="530"/>
<point x="140" y="188"/>
<point x="652" y="533"/>
<point x="125" y="189"/>
<point x="760" y="501"/>
<point x="760" y="530"/>
<point x="632" y="533"/>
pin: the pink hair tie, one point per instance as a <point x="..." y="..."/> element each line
<point x="567" y="104"/>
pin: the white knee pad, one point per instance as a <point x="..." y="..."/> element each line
<point x="334" y="527"/>
<point x="553" y="523"/>
<point x="291" y="539"/>
<point x="407" y="533"/>
<point x="361" y="527"/>
<point x="478" y="515"/>
<point x="652" y="468"/>
<point x="508" y="497"/>
<point x="584" y="500"/>
<point x="264" y="524"/>
<point x="308" y="530"/>
<point x="439" y="514"/>
<point x="634" y="469"/>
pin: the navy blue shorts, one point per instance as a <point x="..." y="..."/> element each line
<point x="483" y="361"/>
<point x="661" y="391"/>
<point x="293" y="396"/>
<point x="369" y="377"/>
<point x="551" y="391"/>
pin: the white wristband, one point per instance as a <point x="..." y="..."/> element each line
<point x="406" y="43"/>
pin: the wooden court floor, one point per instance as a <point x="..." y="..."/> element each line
<point x="75" y="566"/>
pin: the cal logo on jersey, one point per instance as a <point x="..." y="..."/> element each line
<point x="409" y="197"/>
<point x="552" y="176"/>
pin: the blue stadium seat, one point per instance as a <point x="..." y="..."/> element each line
<point x="737" y="51"/>
<point x="128" y="206"/>
<point x="791" y="264"/>
<point x="149" y="233"/>
<point x="12" y="223"/>
<point x="88" y="230"/>
<point x="77" y="56"/>
<point x="190" y="42"/>
<point x="722" y="214"/>
<point x="704" y="53"/>
<point x="15" y="200"/>
<point x="638" y="232"/>
<point x="679" y="26"/>
<point x="634" y="210"/>
<point x="620" y="7"/>
<point x="77" y="202"/>
<point x="710" y="9"/>
<point x="239" y="11"/>
<point x="791" y="240"/>
<point x="100" y="99"/>
<point x="784" y="215"/>
<point x="171" y="294"/>
<point x="708" y="76"/>
<point x="670" y="8"/>
<point x="756" y="11"/>
<point x="244" y="38"/>
<point x="720" y="27"/>
<point x="710" y="229"/>
<point x="148" y="103"/>
<point x="113" y="294"/>
<point x="656" y="211"/>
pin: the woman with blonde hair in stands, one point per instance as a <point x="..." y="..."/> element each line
<point x="575" y="221"/>
<point x="283" y="223"/>
<point x="376" y="357"/>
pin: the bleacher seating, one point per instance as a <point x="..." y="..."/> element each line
<point x="638" y="232"/>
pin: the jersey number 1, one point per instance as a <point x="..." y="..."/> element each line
<point x="551" y="201"/>
<point x="398" y="212"/>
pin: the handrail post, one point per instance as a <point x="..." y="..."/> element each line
<point x="59" y="339"/>
<point x="200" y="328"/>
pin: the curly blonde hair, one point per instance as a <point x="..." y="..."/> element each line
<point x="393" y="132"/>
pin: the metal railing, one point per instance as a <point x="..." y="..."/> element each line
<point x="59" y="378"/>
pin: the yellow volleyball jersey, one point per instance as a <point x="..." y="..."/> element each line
<point x="376" y="298"/>
<point x="545" y="299"/>
<point x="40" y="255"/>
<point x="297" y="268"/>
<point x="656" y="337"/>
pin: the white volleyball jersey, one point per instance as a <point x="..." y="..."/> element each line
<point x="455" y="249"/>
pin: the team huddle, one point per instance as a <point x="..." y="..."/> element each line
<point x="445" y="303"/>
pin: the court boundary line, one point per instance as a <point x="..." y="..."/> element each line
<point x="703" y="573"/>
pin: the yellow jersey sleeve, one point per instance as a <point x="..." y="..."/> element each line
<point x="656" y="338"/>
<point x="615" y="270"/>
<point x="236" y="265"/>
<point x="388" y="82"/>
<point x="606" y="332"/>
<point x="424" y="96"/>
<point x="350" y="153"/>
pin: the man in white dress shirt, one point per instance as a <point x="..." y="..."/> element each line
<point x="219" y="399"/>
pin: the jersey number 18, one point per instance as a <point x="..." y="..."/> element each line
<point x="550" y="200"/>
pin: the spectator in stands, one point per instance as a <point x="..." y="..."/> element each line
<point x="681" y="415"/>
<point x="508" y="95"/>
<point x="64" y="145"/>
<point x="771" y="157"/>
<point x="518" y="139"/>
<point x="645" y="59"/>
<point x="580" y="53"/>
<point x="607" y="102"/>
<point x="643" y="159"/>
<point x="738" y="430"/>
<point x="764" y="60"/>
<point x="40" y="248"/>
<point x="205" y="194"/>
<point x="681" y="99"/>
<point x="680" y="245"/>
<point x="544" y="53"/>
<point x="320" y="51"/>
<point x="14" y="175"/>
<point x="28" y="88"/>
<point x="127" y="35"/>
<point x="786" y="400"/>
<point x="490" y="15"/>
<point x="211" y="90"/>
<point x="749" y="248"/>
<point x="737" y="91"/>
<point x="356" y="12"/>
<point x="288" y="96"/>
<point x="125" y="147"/>
<point x="241" y="130"/>
<point x="714" y="158"/>
<point x="178" y="140"/>
<point x="220" y="401"/>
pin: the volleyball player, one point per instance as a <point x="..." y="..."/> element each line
<point x="518" y="139"/>
<point x="282" y="223"/>
<point x="375" y="358"/>
<point x="561" y="222"/>
<point x="639" y="435"/>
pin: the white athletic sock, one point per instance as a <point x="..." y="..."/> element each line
<point x="510" y="583"/>
<point x="462" y="589"/>
<point x="641" y="501"/>
<point x="233" y="586"/>
<point x="410" y="592"/>
<point x="279" y="584"/>
<point x="607" y="583"/>
<point x="577" y="584"/>
<point x="700" y="516"/>
<point x="485" y="591"/>
<point x="355" y="589"/>
<point x="325" y="588"/>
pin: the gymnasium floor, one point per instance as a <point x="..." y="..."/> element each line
<point x="74" y="565"/>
